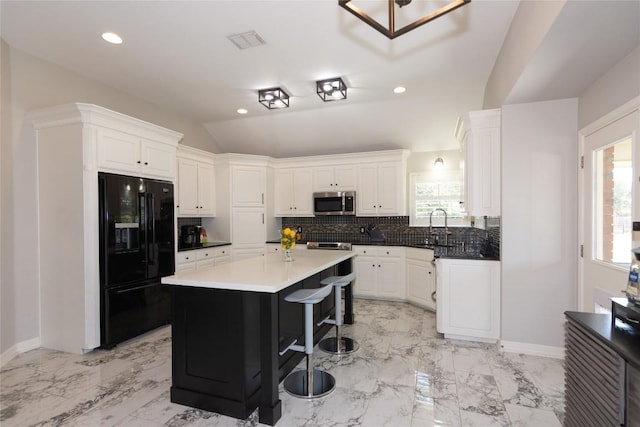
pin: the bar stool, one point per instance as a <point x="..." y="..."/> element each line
<point x="311" y="383"/>
<point x="338" y="344"/>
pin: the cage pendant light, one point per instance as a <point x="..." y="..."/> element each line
<point x="391" y="31"/>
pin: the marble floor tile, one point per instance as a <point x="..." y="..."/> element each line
<point x="404" y="374"/>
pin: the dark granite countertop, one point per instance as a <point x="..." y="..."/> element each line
<point x="621" y="338"/>
<point x="182" y="248"/>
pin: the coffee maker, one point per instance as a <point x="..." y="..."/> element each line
<point x="190" y="235"/>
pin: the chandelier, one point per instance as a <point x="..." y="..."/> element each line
<point x="391" y="31"/>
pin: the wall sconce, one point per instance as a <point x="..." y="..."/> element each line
<point x="391" y="32"/>
<point x="439" y="163"/>
<point x="273" y="98"/>
<point x="331" y="89"/>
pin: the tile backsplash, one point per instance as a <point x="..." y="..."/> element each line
<point x="483" y="237"/>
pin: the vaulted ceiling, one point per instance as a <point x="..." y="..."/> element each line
<point x="176" y="55"/>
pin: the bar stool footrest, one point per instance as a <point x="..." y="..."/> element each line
<point x="296" y="384"/>
<point x="330" y="345"/>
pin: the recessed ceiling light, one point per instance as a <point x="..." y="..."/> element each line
<point x="112" y="38"/>
<point x="399" y="89"/>
<point x="242" y="111"/>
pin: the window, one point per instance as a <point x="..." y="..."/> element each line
<point x="432" y="190"/>
<point x="613" y="178"/>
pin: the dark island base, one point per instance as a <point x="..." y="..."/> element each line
<point x="224" y="344"/>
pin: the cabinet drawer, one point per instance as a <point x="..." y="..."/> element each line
<point x="222" y="251"/>
<point x="205" y="264"/>
<point x="381" y="251"/>
<point x="419" y="254"/>
<point x="185" y="257"/>
<point x="204" y="254"/>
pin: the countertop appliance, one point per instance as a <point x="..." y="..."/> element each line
<point x="190" y="235"/>
<point x="334" y="203"/>
<point x="340" y="246"/>
<point x="136" y="250"/>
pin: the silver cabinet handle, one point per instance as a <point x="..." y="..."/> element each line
<point x="433" y="296"/>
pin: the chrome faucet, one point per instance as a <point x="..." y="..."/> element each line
<point x="446" y="226"/>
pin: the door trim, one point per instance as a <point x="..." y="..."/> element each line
<point x="618" y="113"/>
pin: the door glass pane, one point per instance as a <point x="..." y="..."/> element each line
<point x="613" y="179"/>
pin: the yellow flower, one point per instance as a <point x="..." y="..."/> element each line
<point x="288" y="238"/>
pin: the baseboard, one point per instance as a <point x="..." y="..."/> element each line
<point x="532" y="349"/>
<point x="18" y="348"/>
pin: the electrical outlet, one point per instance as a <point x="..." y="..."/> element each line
<point x="362" y="230"/>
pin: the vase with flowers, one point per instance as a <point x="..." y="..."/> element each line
<point x="287" y="242"/>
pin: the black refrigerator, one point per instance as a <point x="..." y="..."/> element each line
<point x="136" y="250"/>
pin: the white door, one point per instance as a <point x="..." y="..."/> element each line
<point x="187" y="187"/>
<point x="248" y="227"/>
<point x="609" y="178"/>
<point x="303" y="192"/>
<point x="206" y="189"/>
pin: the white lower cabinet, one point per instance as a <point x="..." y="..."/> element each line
<point x="468" y="299"/>
<point x="379" y="272"/>
<point x="202" y="259"/>
<point x="421" y="278"/>
<point x="277" y="248"/>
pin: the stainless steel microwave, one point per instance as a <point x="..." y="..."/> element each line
<point x="334" y="203"/>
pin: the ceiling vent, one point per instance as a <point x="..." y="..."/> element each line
<point x="246" y="40"/>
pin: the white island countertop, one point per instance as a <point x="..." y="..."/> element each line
<point x="268" y="273"/>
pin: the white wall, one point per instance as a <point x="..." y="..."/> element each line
<point x="29" y="83"/>
<point x="7" y="312"/>
<point x="539" y="220"/>
<point x="529" y="27"/>
<point x="619" y="85"/>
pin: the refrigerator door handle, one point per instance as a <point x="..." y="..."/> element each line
<point x="151" y="211"/>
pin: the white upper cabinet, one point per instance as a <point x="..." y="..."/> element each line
<point x="293" y="192"/>
<point x="381" y="189"/>
<point x="479" y="135"/>
<point x="131" y="154"/>
<point x="196" y="183"/>
<point x="248" y="185"/>
<point x="334" y="178"/>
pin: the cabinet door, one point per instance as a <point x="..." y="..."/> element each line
<point x="469" y="298"/>
<point x="365" y="283"/>
<point x="366" y="198"/>
<point x="345" y="177"/>
<point x="417" y="282"/>
<point x="284" y="192"/>
<point x="206" y="187"/>
<point x="432" y="295"/>
<point x="118" y="151"/>
<point x="248" y="186"/>
<point x="158" y="159"/>
<point x="183" y="268"/>
<point x="273" y="248"/>
<point x="390" y="278"/>
<point x="323" y="179"/>
<point x="302" y="192"/>
<point x="389" y="189"/>
<point x="248" y="227"/>
<point x="187" y="187"/>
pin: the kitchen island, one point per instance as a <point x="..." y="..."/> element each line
<point x="230" y="322"/>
